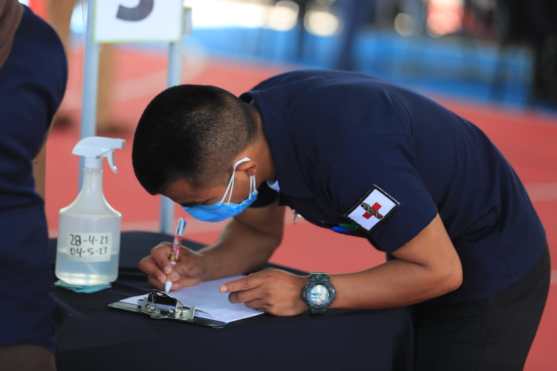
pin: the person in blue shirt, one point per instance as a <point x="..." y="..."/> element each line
<point x="359" y="156"/>
<point x="33" y="75"/>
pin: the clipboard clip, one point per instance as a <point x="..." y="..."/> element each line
<point x="158" y="305"/>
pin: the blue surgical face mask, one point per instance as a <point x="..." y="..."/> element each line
<point x="225" y="209"/>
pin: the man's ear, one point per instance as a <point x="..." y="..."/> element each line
<point x="249" y="167"/>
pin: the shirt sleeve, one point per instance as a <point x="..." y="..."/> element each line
<point x="375" y="185"/>
<point x="265" y="196"/>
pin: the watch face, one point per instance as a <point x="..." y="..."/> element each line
<point x="319" y="295"/>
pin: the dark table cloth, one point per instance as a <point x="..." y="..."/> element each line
<point x="91" y="336"/>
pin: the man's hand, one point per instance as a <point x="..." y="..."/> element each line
<point x="190" y="269"/>
<point x="271" y="290"/>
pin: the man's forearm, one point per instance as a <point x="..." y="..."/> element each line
<point x="240" y="250"/>
<point x="396" y="283"/>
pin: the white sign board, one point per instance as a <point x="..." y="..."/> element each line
<point x="119" y="21"/>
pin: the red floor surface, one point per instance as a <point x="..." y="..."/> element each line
<point x="527" y="139"/>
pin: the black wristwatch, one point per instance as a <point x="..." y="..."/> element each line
<point x="318" y="293"/>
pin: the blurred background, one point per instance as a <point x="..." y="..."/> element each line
<point x="491" y="61"/>
<point x="501" y="51"/>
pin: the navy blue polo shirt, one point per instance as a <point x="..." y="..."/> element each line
<point x="32" y="84"/>
<point x="363" y="157"/>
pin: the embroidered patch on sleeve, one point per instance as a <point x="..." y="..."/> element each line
<point x="375" y="207"/>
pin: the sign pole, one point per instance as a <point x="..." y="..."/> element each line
<point x="174" y="78"/>
<point x="90" y="81"/>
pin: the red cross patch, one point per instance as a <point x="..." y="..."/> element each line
<point x="375" y="206"/>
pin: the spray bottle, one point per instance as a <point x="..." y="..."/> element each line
<point x="88" y="247"/>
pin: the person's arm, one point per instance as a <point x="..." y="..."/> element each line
<point x="247" y="242"/>
<point x="426" y="267"/>
<point x="39" y="167"/>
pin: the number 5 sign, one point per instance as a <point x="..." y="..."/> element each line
<point x="138" y="20"/>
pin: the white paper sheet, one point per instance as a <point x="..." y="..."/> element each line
<point x="212" y="303"/>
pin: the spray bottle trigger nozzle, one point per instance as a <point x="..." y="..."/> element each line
<point x="110" y="160"/>
<point x="95" y="148"/>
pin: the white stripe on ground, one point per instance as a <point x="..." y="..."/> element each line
<point x="542" y="191"/>
<point x="195" y="227"/>
<point x="194" y="62"/>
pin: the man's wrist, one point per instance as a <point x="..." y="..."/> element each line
<point x="303" y="282"/>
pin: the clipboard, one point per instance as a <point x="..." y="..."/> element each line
<point x="158" y="305"/>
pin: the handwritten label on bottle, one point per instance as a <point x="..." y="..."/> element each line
<point x="88" y="247"/>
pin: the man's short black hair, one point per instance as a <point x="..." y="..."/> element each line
<point x="190" y="131"/>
